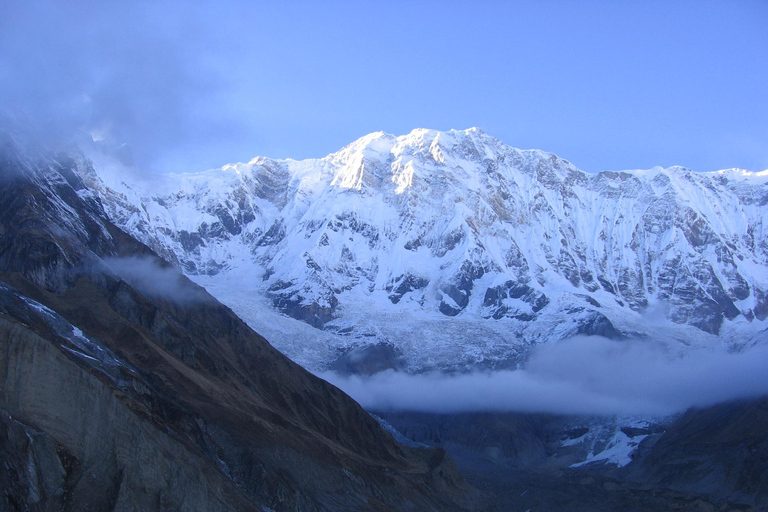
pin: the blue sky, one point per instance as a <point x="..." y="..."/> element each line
<point x="191" y="86"/>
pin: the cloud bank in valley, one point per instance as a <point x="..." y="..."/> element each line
<point x="584" y="375"/>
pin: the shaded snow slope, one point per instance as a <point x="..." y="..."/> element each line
<point x="451" y="250"/>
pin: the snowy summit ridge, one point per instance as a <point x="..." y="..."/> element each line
<point x="479" y="248"/>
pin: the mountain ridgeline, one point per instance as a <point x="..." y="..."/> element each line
<point x="455" y="231"/>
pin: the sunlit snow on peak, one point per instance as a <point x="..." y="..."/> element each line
<point x="743" y="174"/>
<point x="230" y="167"/>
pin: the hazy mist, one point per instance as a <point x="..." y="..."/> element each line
<point x="124" y="72"/>
<point x="584" y="375"/>
<point x="152" y="277"/>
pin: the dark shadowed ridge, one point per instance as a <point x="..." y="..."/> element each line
<point x="709" y="459"/>
<point x="715" y="451"/>
<point x="127" y="397"/>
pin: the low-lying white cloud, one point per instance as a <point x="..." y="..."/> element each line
<point x="154" y="278"/>
<point x="584" y="375"/>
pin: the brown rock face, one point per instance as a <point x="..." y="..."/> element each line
<point x="135" y="390"/>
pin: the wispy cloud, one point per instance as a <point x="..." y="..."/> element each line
<point x="131" y="72"/>
<point x="154" y="278"/>
<point x="584" y="375"/>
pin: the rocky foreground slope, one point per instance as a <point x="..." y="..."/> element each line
<point x="449" y="233"/>
<point x="124" y="386"/>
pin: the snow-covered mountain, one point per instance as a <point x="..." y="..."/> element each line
<point x="450" y="250"/>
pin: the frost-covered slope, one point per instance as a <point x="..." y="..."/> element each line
<point x="450" y="249"/>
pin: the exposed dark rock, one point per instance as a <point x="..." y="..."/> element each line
<point x="494" y="300"/>
<point x="413" y="245"/>
<point x="590" y="300"/>
<point x="515" y="259"/>
<point x="459" y="288"/>
<point x="697" y="295"/>
<point x="607" y="286"/>
<point x="294" y="304"/>
<point x="34" y="472"/>
<point x="350" y="222"/>
<point x="632" y="289"/>
<point x="448" y="309"/>
<point x="761" y="307"/>
<point x="695" y="229"/>
<point x="274" y="234"/>
<point x="594" y="323"/>
<point x="190" y="241"/>
<point x="637" y="431"/>
<point x="405" y="284"/>
<point x="575" y="433"/>
<point x="93" y="451"/>
<point x="448" y="241"/>
<point x="368" y="360"/>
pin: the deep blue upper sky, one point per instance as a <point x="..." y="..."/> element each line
<point x="604" y="84"/>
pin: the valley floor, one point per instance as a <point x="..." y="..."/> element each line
<point x="585" y="491"/>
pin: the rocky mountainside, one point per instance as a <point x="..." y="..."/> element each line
<point x="124" y="386"/>
<point x="719" y="451"/>
<point x="483" y="249"/>
<point x="714" y="458"/>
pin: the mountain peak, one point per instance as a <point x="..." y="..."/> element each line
<point x="379" y="158"/>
